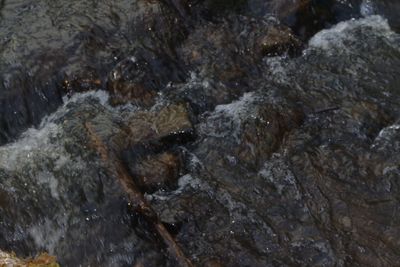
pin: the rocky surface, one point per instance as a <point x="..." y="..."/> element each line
<point x="43" y="260"/>
<point x="254" y="141"/>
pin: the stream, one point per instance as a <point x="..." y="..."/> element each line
<point x="260" y="133"/>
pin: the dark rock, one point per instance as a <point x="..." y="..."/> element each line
<point x="278" y="41"/>
<point x="85" y="80"/>
<point x="172" y="120"/>
<point x="131" y="81"/>
<point x="389" y="9"/>
<point x="24" y="100"/>
<point x="154" y="172"/>
<point x="148" y="142"/>
<point x="216" y="7"/>
<point x="307" y="17"/>
<point x="212" y="263"/>
<point x="238" y="42"/>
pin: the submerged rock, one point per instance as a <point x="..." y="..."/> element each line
<point x="169" y="122"/>
<point x="85" y="80"/>
<point x="278" y="41"/>
<point x="256" y="159"/>
<point x="130" y="81"/>
<point x="152" y="172"/>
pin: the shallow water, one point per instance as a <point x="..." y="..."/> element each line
<point x="289" y="158"/>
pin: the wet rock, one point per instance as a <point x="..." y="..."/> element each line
<point x="155" y="130"/>
<point x="182" y="7"/>
<point x="24" y="100"/>
<point x="307" y="17"/>
<point x="130" y="82"/>
<point x="43" y="260"/>
<point x="301" y="171"/>
<point x="238" y="41"/>
<point x="222" y="62"/>
<point x="287" y="8"/>
<point x="216" y="7"/>
<point x="68" y="53"/>
<point x="278" y="41"/>
<point x="148" y="143"/>
<point x="138" y="79"/>
<point x="153" y="172"/>
<point x="388" y="8"/>
<point x="84" y="80"/>
<point x="170" y="122"/>
<point x="256" y="132"/>
<point x="315" y="186"/>
<point x="212" y="263"/>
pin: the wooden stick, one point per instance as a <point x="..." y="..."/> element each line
<point x="140" y="204"/>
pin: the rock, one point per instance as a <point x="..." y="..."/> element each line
<point x="286" y="8"/>
<point x="154" y="172"/>
<point x="32" y="76"/>
<point x="24" y="100"/>
<point x="130" y="82"/>
<point x="148" y="143"/>
<point x="306" y="17"/>
<point x="170" y="123"/>
<point x="247" y="131"/>
<point x="153" y="130"/>
<point x="391" y="10"/>
<point x="227" y="53"/>
<point x="216" y="7"/>
<point x="212" y="263"/>
<point x="277" y="41"/>
<point x="82" y="81"/>
<point x="43" y="260"/>
<point x="182" y="7"/>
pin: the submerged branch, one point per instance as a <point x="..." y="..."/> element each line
<point x="115" y="166"/>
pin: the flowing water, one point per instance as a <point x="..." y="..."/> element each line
<point x="251" y="154"/>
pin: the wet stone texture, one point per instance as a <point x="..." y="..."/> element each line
<point x="256" y="141"/>
<point x="294" y="172"/>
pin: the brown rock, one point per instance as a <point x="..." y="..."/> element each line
<point x="263" y="136"/>
<point x="129" y="81"/>
<point x="286" y="8"/>
<point x="156" y="171"/>
<point x="277" y="41"/>
<point x="81" y="81"/>
<point x="212" y="263"/>
<point x="172" y="120"/>
<point x="43" y="260"/>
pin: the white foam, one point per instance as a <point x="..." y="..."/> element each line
<point x="35" y="142"/>
<point x="46" y="235"/>
<point x="47" y="178"/>
<point x="237" y="108"/>
<point x="336" y="36"/>
<point x="367" y="8"/>
<point x="387" y="136"/>
<point x="227" y="119"/>
<point x="27" y="148"/>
